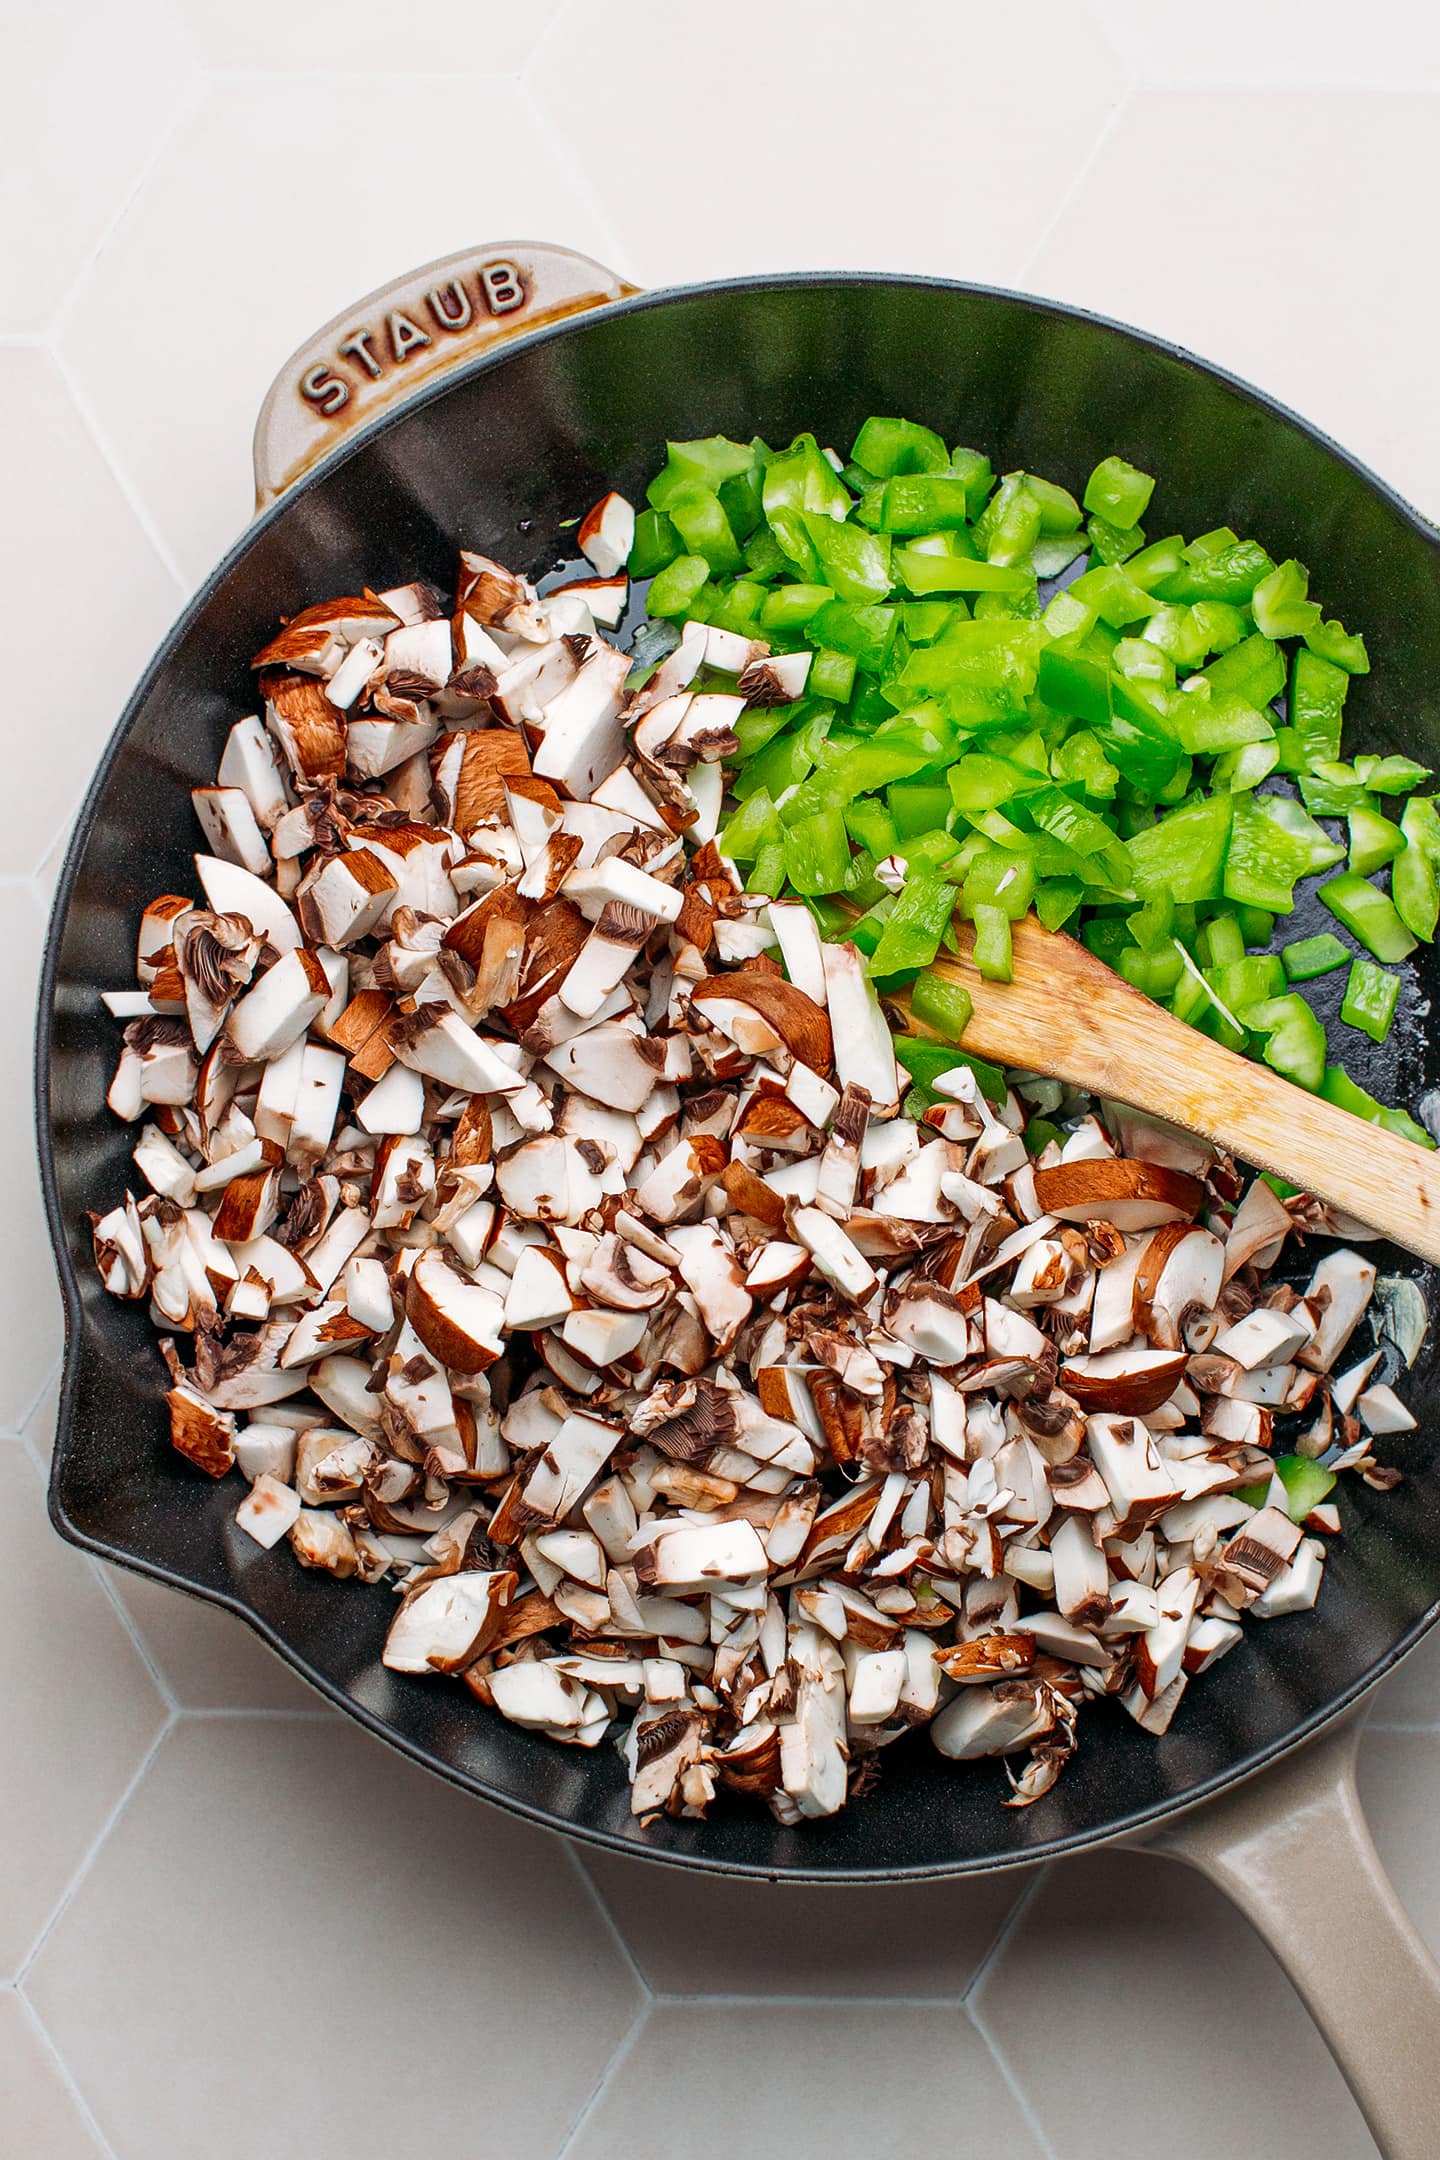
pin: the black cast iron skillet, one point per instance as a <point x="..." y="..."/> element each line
<point x="514" y="440"/>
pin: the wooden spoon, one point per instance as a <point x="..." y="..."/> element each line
<point x="1068" y="1015"/>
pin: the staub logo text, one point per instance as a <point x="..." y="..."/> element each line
<point x="377" y="349"/>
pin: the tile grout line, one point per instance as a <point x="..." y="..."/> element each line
<point x="216" y="1713"/>
<point x="1001" y="1938"/>
<point x="667" y="2000"/>
<point x="547" y="32"/>
<point x="1077" y="181"/>
<point x="620" y="2056"/>
<point x="602" y="1906"/>
<point x="975" y="2016"/>
<point x="184" y="104"/>
<point x="105" y="1576"/>
<point x="113" y="465"/>
<point x="82" y="1871"/>
<point x="376" y="78"/>
<point x="67" y="2077"/>
<point x="1011" y="2082"/>
<point x="613" y="244"/>
<point x="22" y="1432"/>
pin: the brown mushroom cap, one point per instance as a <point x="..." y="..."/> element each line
<point x="798" y="1021"/>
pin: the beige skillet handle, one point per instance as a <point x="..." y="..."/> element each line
<point x="1291" y="1848"/>
<point x="379" y="352"/>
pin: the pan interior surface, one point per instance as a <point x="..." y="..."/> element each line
<point x="496" y="459"/>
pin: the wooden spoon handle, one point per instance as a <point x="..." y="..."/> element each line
<point x="1068" y="1015"/>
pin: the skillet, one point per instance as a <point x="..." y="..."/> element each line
<point x="535" y="381"/>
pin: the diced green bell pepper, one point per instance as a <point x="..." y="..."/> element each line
<point x="1294" y="1038"/>
<point x="1281" y="604"/>
<point x="1071" y="682"/>
<point x="1413" y="877"/>
<point x="1317" y="704"/>
<point x="768" y="872"/>
<point x="995" y="877"/>
<point x="1374" y="840"/>
<point x="790" y="607"/>
<point x="1080" y="761"/>
<point x="1056" y="900"/>
<point x="919" y="919"/>
<point x="944" y="1006"/>
<point x="1390" y="775"/>
<point x="707" y="462"/>
<point x="832" y="675"/>
<point x="1306" y="1484"/>
<point x="1220" y="941"/>
<point x="1113" y="543"/>
<point x="1155" y="973"/>
<point x="1332" y="642"/>
<point x="1368" y="914"/>
<point x="855" y="563"/>
<point x="1370" y="996"/>
<point x="1059" y="511"/>
<point x="817" y="853"/>
<point x="918" y="806"/>
<point x="1253" y="669"/>
<point x="1341" y="1090"/>
<point x="1115" y="596"/>
<point x="991" y="952"/>
<point x="871" y="827"/>
<point x="1270" y="849"/>
<point x="764" y="556"/>
<point x="754" y="823"/>
<point x="678" y="586"/>
<point x="975" y="469"/>
<point x="1117" y="492"/>
<point x="1245" y="768"/>
<point x="886" y="447"/>
<point x="1183" y="854"/>
<point x="925" y="573"/>
<point x="924" y="502"/>
<point x="1162" y="559"/>
<point x="1231" y="573"/>
<point x="656" y="543"/>
<point x="1312" y="956"/>
<point x="926" y="1061"/>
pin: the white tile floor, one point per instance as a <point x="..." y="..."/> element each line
<point x="219" y="1905"/>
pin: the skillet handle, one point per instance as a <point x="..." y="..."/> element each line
<point x="406" y="334"/>
<point x="1292" y="1850"/>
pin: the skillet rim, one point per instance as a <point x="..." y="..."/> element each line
<point x="1128" y="1826"/>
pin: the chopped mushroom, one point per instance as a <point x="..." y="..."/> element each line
<point x="534" y="1225"/>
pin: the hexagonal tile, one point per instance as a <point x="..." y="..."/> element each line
<point x="805" y="2083"/>
<point x="1277" y="211"/>
<point x="1122" y="1958"/>
<point x="694" y="1936"/>
<point x="77" y="1707"/>
<point x="72" y="146"/>
<point x="376" y="1947"/>
<point x="95" y="598"/>
<point x="93" y="39"/>
<point x="30" y="1324"/>
<point x="1244" y="44"/>
<point x="263" y="35"/>
<point x="977" y="174"/>
<point x="208" y="1658"/>
<point x="285" y="201"/>
<point x="41" y="2114"/>
<point x="1399" y="1778"/>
